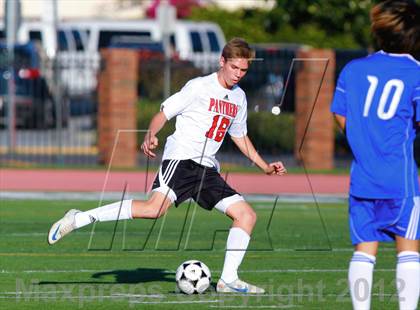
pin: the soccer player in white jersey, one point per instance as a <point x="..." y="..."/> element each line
<point x="377" y="103"/>
<point x="206" y="108"/>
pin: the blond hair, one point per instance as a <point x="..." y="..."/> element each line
<point x="238" y="48"/>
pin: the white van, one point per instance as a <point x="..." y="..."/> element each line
<point x="199" y="42"/>
<point x="75" y="79"/>
<point x="79" y="43"/>
<point x="68" y="40"/>
<point x="77" y="67"/>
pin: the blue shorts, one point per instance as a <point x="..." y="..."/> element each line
<point x="382" y="219"/>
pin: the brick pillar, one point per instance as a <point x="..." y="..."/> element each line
<point x="117" y="108"/>
<point x="318" y="147"/>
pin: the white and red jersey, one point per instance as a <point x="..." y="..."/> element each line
<point x="204" y="111"/>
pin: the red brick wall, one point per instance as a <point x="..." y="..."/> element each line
<point x="317" y="151"/>
<point x="117" y="108"/>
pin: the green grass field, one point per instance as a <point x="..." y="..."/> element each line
<point x="300" y="260"/>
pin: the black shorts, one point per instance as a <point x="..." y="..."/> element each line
<point x="184" y="179"/>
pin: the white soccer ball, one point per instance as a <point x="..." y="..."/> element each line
<point x="193" y="277"/>
<point x="276" y="110"/>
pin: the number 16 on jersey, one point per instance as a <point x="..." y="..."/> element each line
<point x="222" y="127"/>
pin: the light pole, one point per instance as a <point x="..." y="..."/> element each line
<point x="166" y="15"/>
<point x="12" y="21"/>
<point x="50" y="21"/>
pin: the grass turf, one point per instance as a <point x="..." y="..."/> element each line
<point x="298" y="257"/>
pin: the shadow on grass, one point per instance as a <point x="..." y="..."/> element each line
<point x="139" y="275"/>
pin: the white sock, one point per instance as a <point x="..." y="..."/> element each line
<point x="105" y="213"/>
<point x="408" y="279"/>
<point x="360" y="279"/>
<point x="236" y="245"/>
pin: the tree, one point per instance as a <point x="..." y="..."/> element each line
<point x="334" y="17"/>
<point x="320" y="23"/>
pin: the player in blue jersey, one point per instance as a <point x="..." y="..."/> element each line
<point x="377" y="104"/>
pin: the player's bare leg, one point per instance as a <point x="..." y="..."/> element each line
<point x="361" y="273"/>
<point x="243" y="216"/>
<point x="244" y="219"/>
<point x="152" y="208"/>
<point x="370" y="248"/>
<point x="408" y="272"/>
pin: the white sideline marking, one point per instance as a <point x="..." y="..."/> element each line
<point x="119" y="297"/>
<point x="7" y="295"/>
<point x="37" y="234"/>
<point x="141" y="295"/>
<point x="53" y="271"/>
<point x="29" y="293"/>
<point x="303" y="270"/>
<point x="177" y="302"/>
<point x="325" y="249"/>
<point x="299" y="295"/>
<point x="173" y="271"/>
<point x="71" y="297"/>
<point x="66" y="292"/>
<point x="259" y="307"/>
<point x="96" y="196"/>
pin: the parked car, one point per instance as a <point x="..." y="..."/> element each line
<point x="199" y="42"/>
<point x="77" y="67"/>
<point x="191" y="40"/>
<point x="79" y="43"/>
<point x="34" y="103"/>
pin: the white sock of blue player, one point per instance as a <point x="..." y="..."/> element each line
<point x="360" y="279"/>
<point x="110" y="212"/>
<point x="237" y="243"/>
<point x="408" y="279"/>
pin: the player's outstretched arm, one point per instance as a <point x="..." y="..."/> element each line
<point x="247" y="148"/>
<point x="150" y="140"/>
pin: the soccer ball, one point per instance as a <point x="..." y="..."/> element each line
<point x="192" y="277"/>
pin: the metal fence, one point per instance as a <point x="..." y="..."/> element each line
<point x="54" y="110"/>
<point x="63" y="130"/>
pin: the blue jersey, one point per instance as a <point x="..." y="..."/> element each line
<point x="379" y="96"/>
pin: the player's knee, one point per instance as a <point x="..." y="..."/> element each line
<point x="153" y="213"/>
<point x="158" y="214"/>
<point x="248" y="217"/>
<point x="253" y="216"/>
<point x="151" y="209"/>
<point x="156" y="210"/>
